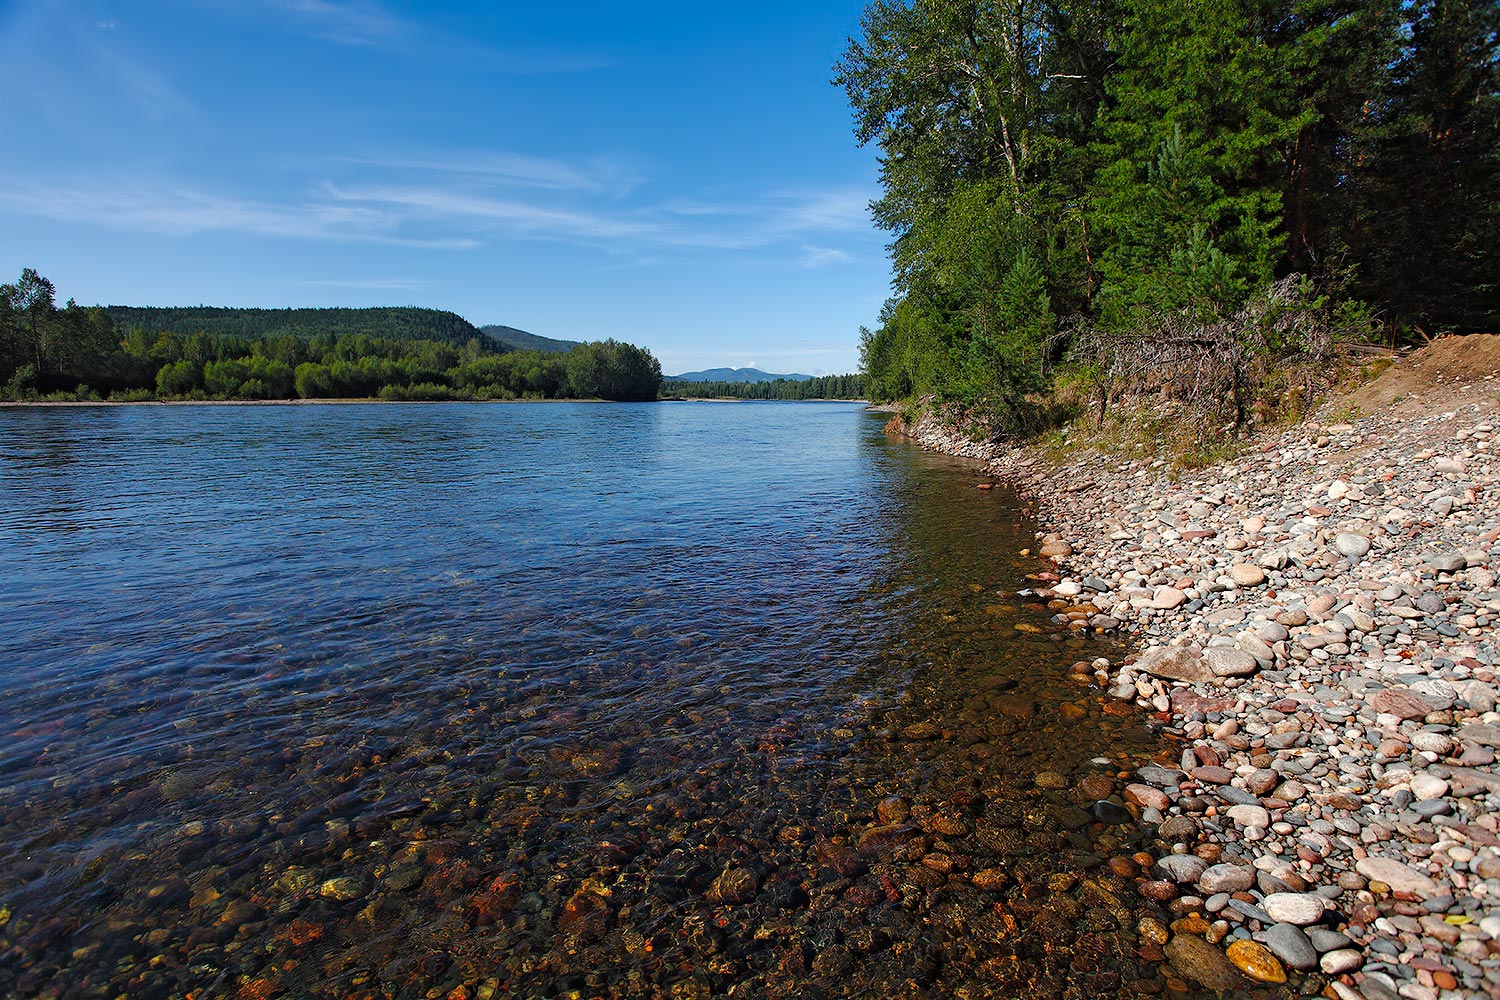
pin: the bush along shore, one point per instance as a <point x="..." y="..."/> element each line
<point x="1315" y="626"/>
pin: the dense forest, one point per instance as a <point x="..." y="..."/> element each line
<point x="1105" y="187"/>
<point x="520" y="340"/>
<point x="385" y="322"/>
<point x="822" y="387"/>
<point x="78" y="353"/>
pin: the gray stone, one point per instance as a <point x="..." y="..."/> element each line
<point x="1437" y="693"/>
<point x="1431" y="603"/>
<point x="1161" y="777"/>
<point x="1324" y="939"/>
<point x="1237" y="796"/>
<point x="1183" y="867"/>
<point x="1446" y="562"/>
<point x="1230" y="662"/>
<point x="1288" y="943"/>
<point x="1226" y="878"/>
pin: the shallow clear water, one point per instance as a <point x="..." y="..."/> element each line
<point x="398" y="700"/>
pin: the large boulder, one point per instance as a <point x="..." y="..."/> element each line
<point x="1175" y="663"/>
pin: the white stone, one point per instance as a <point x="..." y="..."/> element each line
<point x="1427" y="787"/>
<point x="1248" y="815"/>
<point x="1400" y="877"/>
<point x="1343" y="960"/>
<point x="1294" y="908"/>
<point x="1247" y="575"/>
<point x="1352" y="545"/>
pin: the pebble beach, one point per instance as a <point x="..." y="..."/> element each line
<point x="1313" y="631"/>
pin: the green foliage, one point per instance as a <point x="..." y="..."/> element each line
<point x="822" y="387"/>
<point x="384" y="323"/>
<point x="1148" y="168"/>
<point x="49" y="351"/>
<point x="1424" y="208"/>
<point x="508" y="337"/>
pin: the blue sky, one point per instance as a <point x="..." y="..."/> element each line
<point x="680" y="176"/>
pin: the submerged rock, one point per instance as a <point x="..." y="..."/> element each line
<point x="1200" y="962"/>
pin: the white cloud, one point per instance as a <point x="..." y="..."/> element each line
<point x="466" y="200"/>
<point x="352" y="23"/>
<point x="389" y="284"/>
<point x="816" y="257"/>
<point x="601" y="175"/>
<point x="368" y="24"/>
<point x="187" y="212"/>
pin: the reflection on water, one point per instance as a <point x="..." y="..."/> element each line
<point x="558" y="700"/>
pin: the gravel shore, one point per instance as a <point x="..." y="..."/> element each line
<point x="1315" y="623"/>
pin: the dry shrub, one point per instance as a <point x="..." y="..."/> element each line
<point x="1209" y="377"/>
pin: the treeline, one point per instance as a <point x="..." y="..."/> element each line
<point x="387" y="322"/>
<point x="822" y="387"/>
<point x="77" y="353"/>
<point x="1127" y="183"/>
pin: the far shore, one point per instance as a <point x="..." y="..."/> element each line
<point x="63" y="403"/>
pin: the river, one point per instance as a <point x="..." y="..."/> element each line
<point x="539" y="700"/>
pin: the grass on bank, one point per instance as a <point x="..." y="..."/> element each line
<point x="1189" y="388"/>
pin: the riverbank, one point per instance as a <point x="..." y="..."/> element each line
<point x="1315" y="622"/>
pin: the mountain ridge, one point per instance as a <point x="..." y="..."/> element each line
<point x="522" y="340"/>
<point x="735" y="375"/>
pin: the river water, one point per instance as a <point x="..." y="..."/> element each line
<point x="554" y="700"/>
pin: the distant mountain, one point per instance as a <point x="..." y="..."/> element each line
<point x="520" y="340"/>
<point x="394" y="322"/>
<point x="732" y="375"/>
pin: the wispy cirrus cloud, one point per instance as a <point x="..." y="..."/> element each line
<point x="753" y="223"/>
<point x="348" y="23"/>
<point x="180" y="211"/>
<point x="368" y="24"/>
<point x="602" y="175"/>
<point x="816" y="257"/>
<point x="470" y="200"/>
<point x="375" y="284"/>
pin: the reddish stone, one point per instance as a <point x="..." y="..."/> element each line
<point x="1160" y="891"/>
<point x="1477" y="834"/>
<point x="1186" y="701"/>
<point x="1399" y="702"/>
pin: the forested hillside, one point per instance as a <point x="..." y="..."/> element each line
<point x="820" y="387"/>
<point x="387" y="322"/>
<point x="520" y="340"/>
<point x="1130" y="184"/>
<point x="77" y="353"/>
